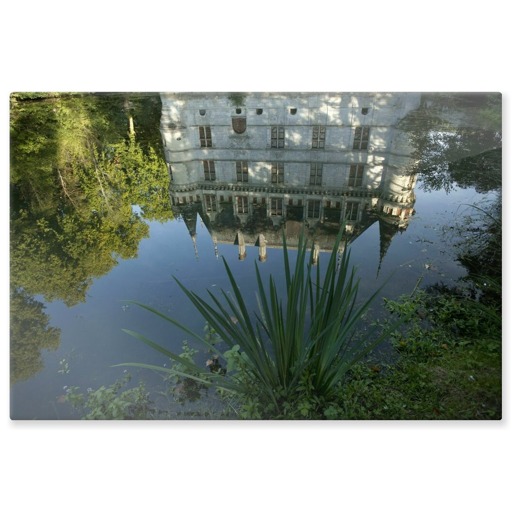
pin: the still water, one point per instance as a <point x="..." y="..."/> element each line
<point x="92" y="232"/>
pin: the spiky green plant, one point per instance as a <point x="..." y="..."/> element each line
<point x="305" y="335"/>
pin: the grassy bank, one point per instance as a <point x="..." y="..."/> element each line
<point x="448" y="365"/>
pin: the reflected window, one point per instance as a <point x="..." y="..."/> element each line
<point x="276" y="206"/>
<point x="277" y="137"/>
<point x="364" y="110"/>
<point x="318" y="137"/>
<point x="315" y="177"/>
<point x="209" y="170"/>
<point x="277" y="172"/>
<point x="259" y="111"/>
<point x="242" y="204"/>
<point x="211" y="202"/>
<point x="242" y="172"/>
<point x="314" y="208"/>
<point x="355" y="176"/>
<point x="361" y="136"/>
<point x="351" y="211"/>
<point x="293" y="111"/>
<point x="205" y="136"/>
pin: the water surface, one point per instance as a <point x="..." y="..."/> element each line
<point x="96" y="221"/>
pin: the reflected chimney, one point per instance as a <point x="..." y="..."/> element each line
<point x="316" y="253"/>
<point x="262" y="248"/>
<point x="240" y="241"/>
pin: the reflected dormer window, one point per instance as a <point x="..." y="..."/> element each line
<point x="277" y="137"/>
<point x="242" y="204"/>
<point x="211" y="202"/>
<point x="361" y="137"/>
<point x="276" y="206"/>
<point x="314" y="209"/>
<point x="355" y="176"/>
<point x="318" y="141"/>
<point x="205" y="136"/>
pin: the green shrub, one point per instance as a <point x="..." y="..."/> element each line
<point x="110" y="403"/>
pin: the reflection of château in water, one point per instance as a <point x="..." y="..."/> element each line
<point x="248" y="163"/>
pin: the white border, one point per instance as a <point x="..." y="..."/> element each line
<point x="260" y="46"/>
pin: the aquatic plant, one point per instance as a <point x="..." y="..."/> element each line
<point x="300" y="343"/>
<point x="110" y="403"/>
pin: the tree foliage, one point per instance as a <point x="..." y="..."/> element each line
<point x="30" y="333"/>
<point x="76" y="172"/>
<point x="457" y="141"/>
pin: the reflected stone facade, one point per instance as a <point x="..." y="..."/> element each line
<point x="248" y="163"/>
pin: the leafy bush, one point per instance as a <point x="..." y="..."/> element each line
<point x="110" y="403"/>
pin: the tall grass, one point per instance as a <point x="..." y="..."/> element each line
<point x="307" y="334"/>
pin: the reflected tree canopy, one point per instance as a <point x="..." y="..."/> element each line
<point x="458" y="143"/>
<point x="457" y="140"/>
<point x="30" y="333"/>
<point x="79" y="163"/>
